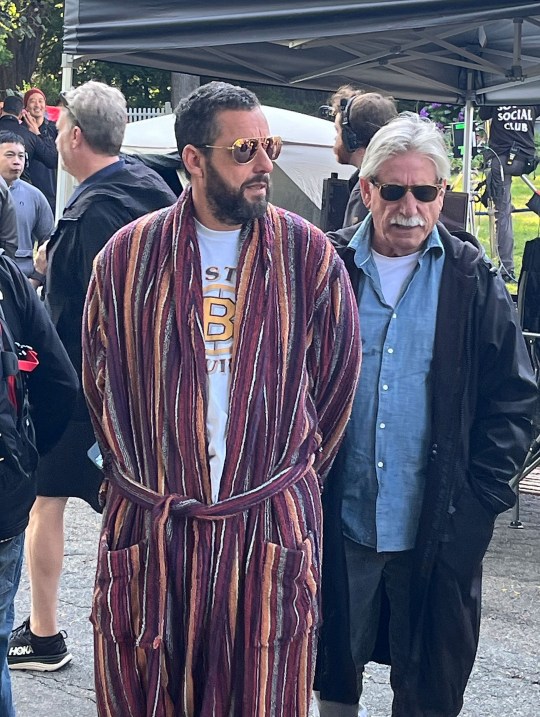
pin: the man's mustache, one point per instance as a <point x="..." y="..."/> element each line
<point x="403" y="221"/>
<point x="261" y="178"/>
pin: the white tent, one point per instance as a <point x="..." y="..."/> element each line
<point x="305" y="161"/>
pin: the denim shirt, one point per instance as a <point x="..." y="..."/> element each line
<point x="386" y="444"/>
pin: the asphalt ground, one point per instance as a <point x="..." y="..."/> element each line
<point x="505" y="680"/>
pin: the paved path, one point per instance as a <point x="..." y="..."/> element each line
<point x="505" y="680"/>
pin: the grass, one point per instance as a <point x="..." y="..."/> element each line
<point x="526" y="224"/>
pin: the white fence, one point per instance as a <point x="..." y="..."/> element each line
<point x="140" y="113"/>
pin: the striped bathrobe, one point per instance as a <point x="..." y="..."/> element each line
<point x="200" y="608"/>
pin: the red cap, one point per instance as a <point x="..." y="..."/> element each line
<point x="31" y="92"/>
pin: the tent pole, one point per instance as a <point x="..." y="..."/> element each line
<point x="467" y="148"/>
<point x="64" y="182"/>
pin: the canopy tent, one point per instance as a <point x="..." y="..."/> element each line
<point x="417" y="49"/>
<point x="305" y="161"/>
<point x="434" y="50"/>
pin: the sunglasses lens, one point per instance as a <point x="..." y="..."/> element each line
<point x="272" y="147"/>
<point x="421" y="192"/>
<point x="425" y="192"/>
<point x="392" y="192"/>
<point x="244" y="150"/>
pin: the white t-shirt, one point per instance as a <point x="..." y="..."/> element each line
<point x="219" y="257"/>
<point x="394" y="273"/>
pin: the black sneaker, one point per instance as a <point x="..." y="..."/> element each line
<point x="29" y="652"/>
<point x="509" y="277"/>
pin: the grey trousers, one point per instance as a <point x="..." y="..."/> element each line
<point x="500" y="190"/>
<point x="370" y="575"/>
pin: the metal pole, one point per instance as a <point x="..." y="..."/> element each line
<point x="64" y="182"/>
<point x="467" y="147"/>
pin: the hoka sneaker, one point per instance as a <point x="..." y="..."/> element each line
<point x="29" y="652"/>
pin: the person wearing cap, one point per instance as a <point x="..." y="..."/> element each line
<point x="39" y="147"/>
<point x="34" y="114"/>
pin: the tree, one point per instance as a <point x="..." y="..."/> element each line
<point x="31" y="41"/>
<point x="22" y="26"/>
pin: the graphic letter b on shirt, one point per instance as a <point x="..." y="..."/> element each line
<point x="218" y="318"/>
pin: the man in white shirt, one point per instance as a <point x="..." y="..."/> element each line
<point x="220" y="339"/>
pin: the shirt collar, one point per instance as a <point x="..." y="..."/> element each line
<point x="361" y="242"/>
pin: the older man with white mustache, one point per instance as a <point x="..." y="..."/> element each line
<point x="440" y="423"/>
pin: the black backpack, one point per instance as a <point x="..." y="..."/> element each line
<point x="18" y="453"/>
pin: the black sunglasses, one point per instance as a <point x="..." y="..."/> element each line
<point x="395" y="192"/>
<point x="326" y="112"/>
<point x="244" y="149"/>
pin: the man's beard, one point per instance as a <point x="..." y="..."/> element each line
<point x="229" y="205"/>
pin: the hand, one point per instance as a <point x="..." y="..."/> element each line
<point x="30" y="122"/>
<point x="40" y="261"/>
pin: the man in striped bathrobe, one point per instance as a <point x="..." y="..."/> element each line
<point x="221" y="353"/>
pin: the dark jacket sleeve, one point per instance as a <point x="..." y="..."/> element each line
<point x="53" y="385"/>
<point x="8" y="222"/>
<point x="501" y="431"/>
<point x="45" y="151"/>
<point x="342" y="237"/>
<point x="71" y="253"/>
<point x="96" y="226"/>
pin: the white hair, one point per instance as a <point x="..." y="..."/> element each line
<point x="408" y="132"/>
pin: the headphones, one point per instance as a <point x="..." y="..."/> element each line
<point x="351" y="141"/>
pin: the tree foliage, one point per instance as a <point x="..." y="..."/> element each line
<point x="31" y="45"/>
<point x="22" y="24"/>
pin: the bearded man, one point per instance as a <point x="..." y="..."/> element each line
<point x="221" y="351"/>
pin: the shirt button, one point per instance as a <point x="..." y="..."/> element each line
<point x="380" y="464"/>
<point x="390" y="351"/>
<point x="385" y="387"/>
<point x="394" y="316"/>
<point x="382" y="425"/>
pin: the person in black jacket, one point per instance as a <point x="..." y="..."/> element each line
<point x="43" y="176"/>
<point x="511" y="153"/>
<point x="52" y="392"/>
<point x="112" y="192"/>
<point x="39" y="146"/>
<point x="441" y="421"/>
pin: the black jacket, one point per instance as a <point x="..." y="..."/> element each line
<point x="483" y="396"/>
<point x="84" y="229"/>
<point x="42" y="175"/>
<point x="355" y="211"/>
<point x="52" y="388"/>
<point x="37" y="146"/>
